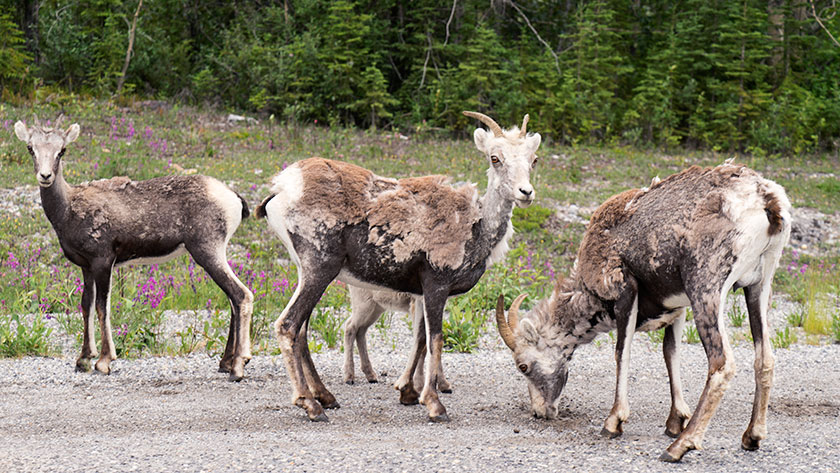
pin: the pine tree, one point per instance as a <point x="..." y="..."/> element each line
<point x="13" y="58"/>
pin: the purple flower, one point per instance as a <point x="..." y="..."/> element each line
<point x="147" y="133"/>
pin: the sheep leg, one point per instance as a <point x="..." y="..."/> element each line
<point x="419" y="377"/>
<point x="626" y="310"/>
<point x="364" y="312"/>
<point x="409" y="390"/>
<point x="319" y="390"/>
<point x="238" y="347"/>
<point x="708" y="305"/>
<point x="289" y="336"/>
<point x="88" y="341"/>
<point x="758" y="298"/>
<point x="102" y="281"/>
<point x="434" y="301"/>
<point x="680" y="413"/>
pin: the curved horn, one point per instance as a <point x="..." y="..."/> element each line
<point x="58" y="121"/>
<point x="524" y="129"/>
<point x="494" y="127"/>
<point x="501" y="323"/>
<point x="37" y="122"/>
<point x="513" y="313"/>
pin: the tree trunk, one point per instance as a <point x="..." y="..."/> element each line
<point x="128" y="51"/>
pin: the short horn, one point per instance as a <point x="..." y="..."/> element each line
<point x="494" y="127"/>
<point x="37" y="122"/>
<point x="501" y="323"/>
<point x="524" y="129"/>
<point x="513" y="313"/>
<point x="58" y="121"/>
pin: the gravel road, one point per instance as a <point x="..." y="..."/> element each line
<point x="179" y="414"/>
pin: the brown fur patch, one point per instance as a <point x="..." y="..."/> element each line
<point x="774" y="213"/>
<point x="339" y="191"/>
<point x="426" y="214"/>
<point x="598" y="258"/>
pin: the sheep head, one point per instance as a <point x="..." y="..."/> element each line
<point x="542" y="359"/>
<point x="46" y="145"/>
<point x="511" y="155"/>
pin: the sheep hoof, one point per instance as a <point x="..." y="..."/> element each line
<point x="319" y="418"/>
<point x="103" y="367"/>
<point x="446" y="390"/>
<point x="748" y="443"/>
<point x="235" y="378"/>
<point x="439" y="418"/>
<point x="667" y="457"/>
<point x="83" y="365"/>
<point x="408" y="396"/>
<point x="607" y="433"/>
<point x="671" y="434"/>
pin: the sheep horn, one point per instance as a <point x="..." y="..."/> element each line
<point x="494" y="127"/>
<point x="502" y="324"/>
<point x="524" y="128"/>
<point x="37" y="122"/>
<point x="58" y="121"/>
<point x="513" y="313"/>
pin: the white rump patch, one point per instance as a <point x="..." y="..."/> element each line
<point x="229" y="202"/>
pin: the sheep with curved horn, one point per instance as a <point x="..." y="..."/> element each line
<point x="646" y="255"/>
<point x="417" y="235"/>
<point x="114" y="222"/>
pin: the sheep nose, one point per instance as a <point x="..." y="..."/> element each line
<point x="526" y="192"/>
<point x="45" y="177"/>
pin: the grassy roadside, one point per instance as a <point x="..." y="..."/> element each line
<point x="143" y="141"/>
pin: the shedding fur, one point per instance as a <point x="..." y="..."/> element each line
<point x="686" y="240"/>
<point x="115" y="222"/>
<point x="419" y="236"/>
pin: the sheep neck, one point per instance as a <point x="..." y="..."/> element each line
<point x="496" y="212"/>
<point x="54" y="199"/>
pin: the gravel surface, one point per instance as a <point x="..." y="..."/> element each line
<point x="179" y="414"/>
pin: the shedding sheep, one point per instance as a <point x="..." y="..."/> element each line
<point x="646" y="255"/>
<point x="114" y="222"/>
<point x="418" y="235"/>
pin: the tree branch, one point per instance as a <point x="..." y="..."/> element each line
<point x="819" y="20"/>
<point x="426" y="62"/>
<point x="533" y="30"/>
<point x="451" y="15"/>
<point x="131" y="33"/>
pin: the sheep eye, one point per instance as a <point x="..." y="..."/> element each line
<point x="31" y="151"/>
<point x="495" y="160"/>
<point x="61" y="153"/>
<point x="523" y="367"/>
<point x="534" y="164"/>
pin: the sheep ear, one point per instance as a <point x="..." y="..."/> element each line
<point x="481" y="137"/>
<point x="527" y="330"/>
<point x="533" y="142"/>
<point x="71" y="134"/>
<point x="21" y="131"/>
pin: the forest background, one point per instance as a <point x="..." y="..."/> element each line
<point x="753" y="76"/>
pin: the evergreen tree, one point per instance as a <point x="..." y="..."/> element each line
<point x="13" y="58"/>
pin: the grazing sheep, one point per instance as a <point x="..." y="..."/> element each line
<point x="117" y="221"/>
<point x="646" y="255"/>
<point x="416" y="235"/>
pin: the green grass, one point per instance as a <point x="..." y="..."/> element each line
<point x="140" y="143"/>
